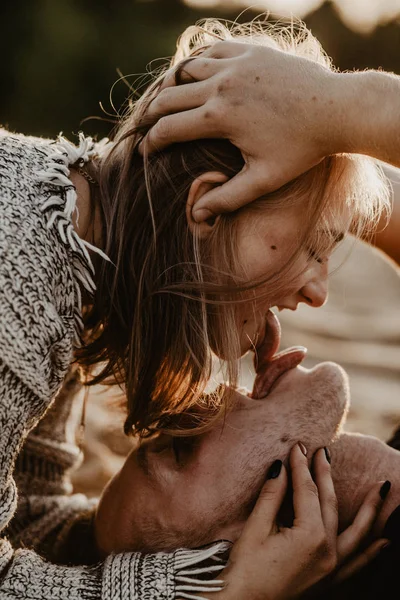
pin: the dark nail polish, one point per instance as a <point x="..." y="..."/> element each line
<point x="327" y="454"/>
<point x="274" y="470"/>
<point x="383" y="492"/>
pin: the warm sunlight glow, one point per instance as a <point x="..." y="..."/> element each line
<point x="362" y="15"/>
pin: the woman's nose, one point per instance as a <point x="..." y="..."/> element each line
<point x="315" y="291"/>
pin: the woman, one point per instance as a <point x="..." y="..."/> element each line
<point x="155" y="307"/>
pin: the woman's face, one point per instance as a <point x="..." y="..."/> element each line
<point x="266" y="242"/>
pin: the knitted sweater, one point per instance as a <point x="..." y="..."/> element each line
<point x="44" y="266"/>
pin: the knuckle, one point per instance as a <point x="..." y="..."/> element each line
<point x="332" y="503"/>
<point x="266" y="494"/>
<point x="213" y="114"/>
<point x="325" y="554"/>
<point x="220" y="46"/>
<point x="226" y="83"/>
<point x="309" y="488"/>
<point x="162" y="100"/>
<point x="328" y="563"/>
<point x="204" y="64"/>
<point x="360" y="530"/>
<point x="161" y="129"/>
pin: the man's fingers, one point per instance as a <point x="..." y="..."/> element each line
<point x="262" y="520"/>
<point x="226" y="49"/>
<point x="326" y="493"/>
<point x="361" y="560"/>
<point x="197" y="68"/>
<point x="175" y="99"/>
<point x="181" y="127"/>
<point x="235" y="193"/>
<point x="350" y="539"/>
<point x="307" y="510"/>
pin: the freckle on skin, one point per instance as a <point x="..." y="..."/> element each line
<point x="273" y="247"/>
<point x="220" y="88"/>
<point x="314" y="98"/>
<point x="257" y="79"/>
<point x="284" y="439"/>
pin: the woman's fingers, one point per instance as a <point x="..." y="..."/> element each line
<point x="326" y="493"/>
<point x="262" y="521"/>
<point x="350" y="539"/>
<point x="307" y="510"/>
<point x="361" y="560"/>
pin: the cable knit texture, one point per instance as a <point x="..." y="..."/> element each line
<point x="44" y="266"/>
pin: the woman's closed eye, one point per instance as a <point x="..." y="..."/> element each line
<point x="315" y="256"/>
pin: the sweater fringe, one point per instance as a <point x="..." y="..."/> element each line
<point x="60" y="211"/>
<point x="187" y="582"/>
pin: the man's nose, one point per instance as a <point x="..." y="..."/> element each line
<point x="315" y="291"/>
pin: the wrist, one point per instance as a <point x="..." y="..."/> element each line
<point x="345" y="120"/>
<point x="365" y="106"/>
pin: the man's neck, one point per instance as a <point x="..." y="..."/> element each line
<point x="359" y="462"/>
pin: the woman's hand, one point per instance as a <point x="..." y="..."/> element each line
<point x="275" y="563"/>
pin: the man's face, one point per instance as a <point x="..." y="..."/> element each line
<point x="175" y="492"/>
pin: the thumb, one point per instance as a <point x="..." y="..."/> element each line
<point x="246" y="186"/>
<point x="262" y="521"/>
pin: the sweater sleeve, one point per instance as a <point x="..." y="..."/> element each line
<point x="24" y="574"/>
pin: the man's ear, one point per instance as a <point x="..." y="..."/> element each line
<point x="200" y="186"/>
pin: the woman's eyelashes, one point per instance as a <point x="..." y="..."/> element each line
<point x="315" y="256"/>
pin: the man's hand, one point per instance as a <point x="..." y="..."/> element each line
<point x="285" y="113"/>
<point x="278" y="109"/>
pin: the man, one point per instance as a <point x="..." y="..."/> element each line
<point x="190" y="491"/>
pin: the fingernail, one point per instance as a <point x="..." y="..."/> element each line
<point x="383" y="492"/>
<point x="327" y="454"/>
<point x="274" y="470"/>
<point x="302" y="448"/>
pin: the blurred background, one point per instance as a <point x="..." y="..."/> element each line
<point x="60" y="60"/>
<point x="60" y="57"/>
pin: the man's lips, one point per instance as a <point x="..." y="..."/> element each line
<point x="270" y="366"/>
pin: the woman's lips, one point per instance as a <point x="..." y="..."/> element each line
<point x="268" y="365"/>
